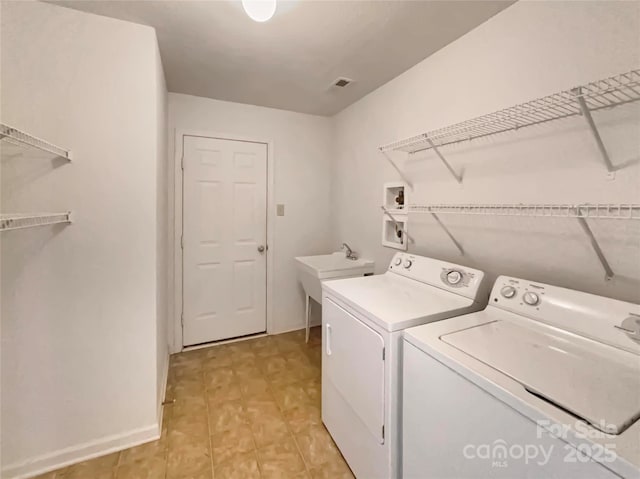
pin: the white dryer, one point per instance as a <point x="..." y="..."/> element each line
<point x="544" y="383"/>
<point x="363" y="320"/>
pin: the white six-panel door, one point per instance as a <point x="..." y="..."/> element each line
<point x="224" y="238"/>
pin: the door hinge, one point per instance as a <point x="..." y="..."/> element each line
<point x="182" y="320"/>
<point x="182" y="162"/>
<point x="383" y="431"/>
<point x="383" y="353"/>
<point x="182" y="241"/>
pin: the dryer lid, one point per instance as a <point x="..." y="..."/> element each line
<point x="596" y="382"/>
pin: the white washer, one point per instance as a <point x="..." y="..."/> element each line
<point x="545" y="382"/>
<point x="363" y="320"/>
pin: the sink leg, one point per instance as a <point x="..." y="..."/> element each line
<point x="308" y="318"/>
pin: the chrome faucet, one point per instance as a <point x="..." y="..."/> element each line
<point x="349" y="254"/>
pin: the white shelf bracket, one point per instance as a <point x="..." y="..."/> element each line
<point x="446" y="230"/>
<point x="446" y="163"/>
<point x="16" y="136"/>
<point x="397" y="223"/>
<point x="586" y="113"/>
<point x="402" y="175"/>
<point x="10" y="222"/>
<point x="596" y="247"/>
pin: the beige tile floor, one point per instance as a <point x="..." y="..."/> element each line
<point x="249" y="409"/>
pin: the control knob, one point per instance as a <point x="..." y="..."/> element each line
<point x="408" y="263"/>
<point x="454" y="277"/>
<point x="398" y="261"/>
<point x="531" y="298"/>
<point x="508" y="292"/>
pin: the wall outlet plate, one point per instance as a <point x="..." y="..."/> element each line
<point x="280" y="210"/>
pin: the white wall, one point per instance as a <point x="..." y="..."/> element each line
<point x="302" y="156"/>
<point x="79" y="304"/>
<point x="531" y="49"/>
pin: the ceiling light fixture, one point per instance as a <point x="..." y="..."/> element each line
<point x="259" y="10"/>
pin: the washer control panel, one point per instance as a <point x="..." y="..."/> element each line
<point x="460" y="279"/>
<point x="511" y="292"/>
<point x="596" y="317"/>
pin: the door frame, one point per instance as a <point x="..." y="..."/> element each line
<point x="175" y="330"/>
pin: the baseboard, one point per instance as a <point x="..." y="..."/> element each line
<point x="223" y="341"/>
<point x="89" y="450"/>
<point x="297" y="327"/>
<point x="163" y="393"/>
<point x="288" y="329"/>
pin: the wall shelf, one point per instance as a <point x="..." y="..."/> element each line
<point x="17" y="137"/>
<point x="583" y="100"/>
<point x="589" y="211"/>
<point x="16" y="221"/>
<point x="581" y="212"/>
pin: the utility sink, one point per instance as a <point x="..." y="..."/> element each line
<point x="312" y="270"/>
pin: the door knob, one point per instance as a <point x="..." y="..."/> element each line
<point x="261" y="249"/>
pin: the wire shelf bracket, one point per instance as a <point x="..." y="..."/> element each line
<point x="436" y="150"/>
<point x="15" y="136"/>
<point x="395" y="167"/>
<point x="16" y="221"/>
<point x="580" y="101"/>
<point x="448" y="233"/>
<point x="586" y="114"/>
<point x="435" y="217"/>
<point x="581" y="212"/>
<point x="608" y="272"/>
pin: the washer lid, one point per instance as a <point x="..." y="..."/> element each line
<point x="596" y="382"/>
<point x="395" y="302"/>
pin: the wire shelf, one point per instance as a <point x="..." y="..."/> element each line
<point x="607" y="93"/>
<point x="18" y="137"/>
<point x="17" y="221"/>
<point x="586" y="211"/>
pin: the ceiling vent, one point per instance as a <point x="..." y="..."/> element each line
<point x="342" y="82"/>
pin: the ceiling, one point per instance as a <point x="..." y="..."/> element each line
<point x="213" y="49"/>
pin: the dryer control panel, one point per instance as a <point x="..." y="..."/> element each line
<point x="452" y="277"/>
